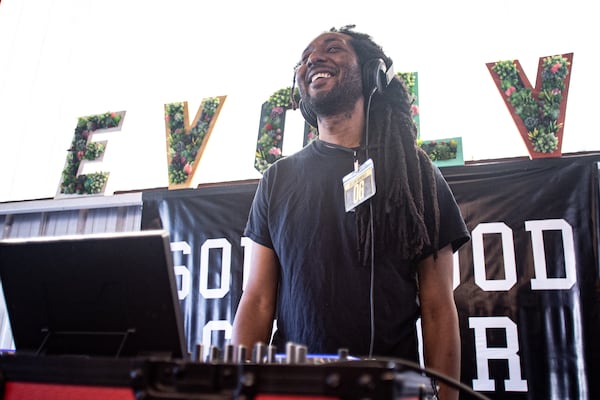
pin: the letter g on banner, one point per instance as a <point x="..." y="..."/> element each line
<point x="182" y="271"/>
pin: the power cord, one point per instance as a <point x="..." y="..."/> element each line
<point x="392" y="362"/>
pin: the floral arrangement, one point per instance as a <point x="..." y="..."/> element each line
<point x="272" y="123"/>
<point x="410" y="80"/>
<point x="439" y="150"/>
<point x="270" y="135"/>
<point x="539" y="110"/>
<point x="183" y="142"/>
<point x="310" y="133"/>
<point x="81" y="149"/>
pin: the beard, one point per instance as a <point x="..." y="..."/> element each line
<point x="341" y="98"/>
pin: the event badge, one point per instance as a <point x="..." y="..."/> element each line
<point x="359" y="185"/>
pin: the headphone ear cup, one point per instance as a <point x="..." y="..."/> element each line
<point x="374" y="76"/>
<point x="308" y="114"/>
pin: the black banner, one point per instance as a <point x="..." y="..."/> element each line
<point x="205" y="226"/>
<point x="526" y="285"/>
<point x="527" y="297"/>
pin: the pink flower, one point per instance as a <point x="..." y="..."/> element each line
<point x="556" y="91"/>
<point x="275" y="151"/>
<point x="510" y="91"/>
<point x="555" y="68"/>
<point x="414" y="110"/>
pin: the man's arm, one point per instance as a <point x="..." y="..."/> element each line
<point x="439" y="319"/>
<point x="254" y="317"/>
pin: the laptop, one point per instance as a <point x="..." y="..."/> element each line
<point x="110" y="294"/>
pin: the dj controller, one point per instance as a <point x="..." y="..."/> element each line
<point x="223" y="374"/>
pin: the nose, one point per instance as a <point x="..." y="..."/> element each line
<point x="315" y="57"/>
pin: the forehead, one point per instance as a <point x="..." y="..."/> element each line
<point x="329" y="38"/>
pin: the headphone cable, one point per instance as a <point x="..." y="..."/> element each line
<point x="371" y="234"/>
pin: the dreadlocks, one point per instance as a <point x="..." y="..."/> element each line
<point x="404" y="176"/>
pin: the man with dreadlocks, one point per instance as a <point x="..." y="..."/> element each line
<point x="356" y="277"/>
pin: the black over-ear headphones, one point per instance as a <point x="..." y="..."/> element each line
<point x="376" y="77"/>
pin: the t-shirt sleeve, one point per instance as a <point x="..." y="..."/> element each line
<point x="257" y="226"/>
<point x="453" y="229"/>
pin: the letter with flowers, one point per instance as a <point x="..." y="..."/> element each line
<point x="271" y="129"/>
<point x="186" y="142"/>
<point x="84" y="149"/>
<point x="443" y="152"/>
<point x="538" y="112"/>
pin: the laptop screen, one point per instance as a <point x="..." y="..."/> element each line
<point x="97" y="294"/>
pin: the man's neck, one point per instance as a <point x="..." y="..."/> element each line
<point x="345" y="129"/>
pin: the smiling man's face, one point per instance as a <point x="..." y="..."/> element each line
<point x="328" y="76"/>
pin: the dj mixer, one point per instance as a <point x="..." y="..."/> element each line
<point x="228" y="373"/>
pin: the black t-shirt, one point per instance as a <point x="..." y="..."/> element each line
<point x="324" y="294"/>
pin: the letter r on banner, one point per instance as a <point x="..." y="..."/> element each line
<point x="484" y="353"/>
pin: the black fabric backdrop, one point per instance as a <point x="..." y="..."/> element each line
<point x="528" y="295"/>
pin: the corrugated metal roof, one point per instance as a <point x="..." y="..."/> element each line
<point x="54" y="217"/>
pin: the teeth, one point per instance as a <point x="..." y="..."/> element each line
<point x="320" y="75"/>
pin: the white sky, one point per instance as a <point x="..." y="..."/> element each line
<point x="63" y="59"/>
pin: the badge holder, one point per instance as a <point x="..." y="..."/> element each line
<point x="359" y="185"/>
